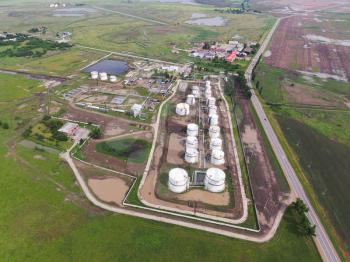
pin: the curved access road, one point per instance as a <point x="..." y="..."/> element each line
<point x="323" y="243"/>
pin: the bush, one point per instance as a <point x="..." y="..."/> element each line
<point x="59" y="136"/>
<point x="96" y="133"/>
<point x="5" y="126"/>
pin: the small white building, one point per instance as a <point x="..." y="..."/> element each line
<point x="69" y="129"/>
<point x="182" y="109"/>
<point x="191" y="155"/>
<point x="192" y="129"/>
<point x="178" y="180"/>
<point x="103" y="76"/>
<point x="136" y="109"/>
<point x="214" y="180"/>
<point x="113" y="78"/>
<point x="217" y="157"/>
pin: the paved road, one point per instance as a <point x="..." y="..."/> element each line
<point x="322" y="240"/>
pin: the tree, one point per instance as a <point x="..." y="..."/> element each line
<point x="300" y="206"/>
<point x="96" y="133"/>
<point x="5" y="125"/>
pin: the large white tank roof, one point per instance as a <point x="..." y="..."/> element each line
<point x="192" y="141"/>
<point x="214" y="180"/>
<point x="192" y="129"/>
<point x="214" y="131"/>
<point x="178" y="181"/>
<point x="217" y="157"/>
<point x="182" y="109"/>
<point x="216" y="143"/>
<point x="191" y="100"/>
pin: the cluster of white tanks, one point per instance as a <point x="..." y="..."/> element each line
<point x="191" y="153"/>
<point x="214" y="181"/>
<point x="103" y="76"/>
<point x="217" y="156"/>
<point x="183" y="109"/>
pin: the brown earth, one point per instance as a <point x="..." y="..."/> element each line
<point x="292" y="50"/>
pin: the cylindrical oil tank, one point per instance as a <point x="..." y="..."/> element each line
<point x="211" y="101"/>
<point x="214" y="131"/>
<point x="207" y="93"/>
<point x="192" y="129"/>
<point x="113" y="78"/>
<point x="191" y="155"/>
<point x="214" y="180"/>
<point x="94" y="75"/>
<point x="213" y="120"/>
<point x="216" y="143"/>
<point x="178" y="180"/>
<point x="191" y="100"/>
<point x="103" y="76"/>
<point x="182" y="109"/>
<point x="217" y="157"/>
<point x="212" y="111"/>
<point x="191" y="142"/>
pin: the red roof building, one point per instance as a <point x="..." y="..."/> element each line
<point x="231" y="57"/>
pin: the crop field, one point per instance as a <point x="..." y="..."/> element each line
<point x="133" y="150"/>
<point x="327" y="167"/>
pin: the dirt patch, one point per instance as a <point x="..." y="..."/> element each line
<point x="198" y="195"/>
<point x="176" y="149"/>
<point x="110" y="190"/>
<point x="250" y="138"/>
<point x="39" y="157"/>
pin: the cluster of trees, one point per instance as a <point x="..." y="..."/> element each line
<point x="4" y="125"/>
<point x="54" y="125"/>
<point x="31" y="47"/>
<point x="216" y="65"/>
<point x="243" y="84"/>
<point x="244" y="7"/>
<point x="303" y="224"/>
<point x="96" y="133"/>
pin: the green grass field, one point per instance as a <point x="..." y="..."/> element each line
<point x="45" y="217"/>
<point x="130" y="149"/>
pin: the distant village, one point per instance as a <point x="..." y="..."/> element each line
<point x="229" y="51"/>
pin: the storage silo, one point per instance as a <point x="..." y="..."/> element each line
<point x="182" y="109"/>
<point x="211" y="101"/>
<point x="214" y="180"/>
<point x="178" y="180"/>
<point x="103" y="76"/>
<point x="191" y="142"/>
<point x="113" y="78"/>
<point x="213" y="120"/>
<point x="214" y="131"/>
<point x="191" y="100"/>
<point x="217" y="157"/>
<point x="192" y="129"/>
<point x="94" y="75"/>
<point x="191" y="155"/>
<point x="216" y="143"/>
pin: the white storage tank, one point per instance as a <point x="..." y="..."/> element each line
<point x="113" y="78"/>
<point x="214" y="131"/>
<point x="217" y="157"/>
<point x="212" y="111"/>
<point x="178" y="180"/>
<point x="212" y="107"/>
<point x="216" y="144"/>
<point x="207" y="93"/>
<point x="211" y="101"/>
<point x="191" y="142"/>
<point x="214" y="180"/>
<point x="192" y="129"/>
<point x="213" y="120"/>
<point x="191" y="100"/>
<point x="207" y="84"/>
<point x="103" y="76"/>
<point x="182" y="109"/>
<point x="191" y="155"/>
<point x="94" y="75"/>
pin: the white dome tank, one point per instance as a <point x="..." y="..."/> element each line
<point x="214" y="180"/>
<point x="103" y="76"/>
<point x="217" y="157"/>
<point x="94" y="75"/>
<point x="178" y="181"/>
<point x="212" y="111"/>
<point x="191" y="142"/>
<point x="182" y="109"/>
<point x="191" y="100"/>
<point x="192" y="129"/>
<point x="113" y="79"/>
<point x="207" y="93"/>
<point x="213" y="120"/>
<point x="191" y="155"/>
<point x="214" y="131"/>
<point x="211" y="101"/>
<point x="216" y="144"/>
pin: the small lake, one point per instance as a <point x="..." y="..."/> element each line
<point x="112" y="67"/>
<point x="213" y="21"/>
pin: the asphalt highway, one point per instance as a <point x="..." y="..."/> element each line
<point x="323" y="243"/>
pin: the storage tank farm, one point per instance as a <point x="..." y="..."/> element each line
<point x="178" y="180"/>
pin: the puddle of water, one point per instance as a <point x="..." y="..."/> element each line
<point x="213" y="21"/>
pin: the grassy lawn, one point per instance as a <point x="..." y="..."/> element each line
<point x="130" y="149"/>
<point x="13" y="87"/>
